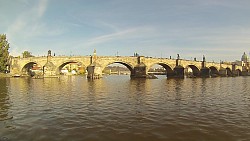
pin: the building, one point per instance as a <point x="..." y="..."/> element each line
<point x="245" y="58"/>
<point x="244" y="62"/>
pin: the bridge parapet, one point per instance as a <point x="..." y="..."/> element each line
<point x="188" y="63"/>
<point x="165" y="62"/>
<point x="104" y="61"/>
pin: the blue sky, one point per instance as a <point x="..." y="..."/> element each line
<point x="218" y="29"/>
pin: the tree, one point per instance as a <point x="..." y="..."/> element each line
<point x="4" y="52"/>
<point x="27" y="54"/>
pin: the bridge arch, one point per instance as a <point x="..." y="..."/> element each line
<point x="26" y="69"/>
<point x="214" y="71"/>
<point x="63" y="64"/>
<point x="229" y="72"/>
<point x="127" y="65"/>
<point x="167" y="67"/>
<point x="195" y="70"/>
<point x="238" y="72"/>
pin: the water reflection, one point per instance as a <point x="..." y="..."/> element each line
<point x="4" y="101"/>
<point x="6" y="116"/>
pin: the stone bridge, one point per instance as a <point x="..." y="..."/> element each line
<point x="138" y="66"/>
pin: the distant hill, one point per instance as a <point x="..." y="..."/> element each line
<point x="115" y="68"/>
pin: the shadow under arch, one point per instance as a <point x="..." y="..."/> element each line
<point x="214" y="72"/>
<point x="79" y="64"/>
<point x="238" y="72"/>
<point x="229" y="72"/>
<point x="195" y="71"/>
<point x="27" y="68"/>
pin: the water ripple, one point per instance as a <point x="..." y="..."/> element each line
<point x="117" y="108"/>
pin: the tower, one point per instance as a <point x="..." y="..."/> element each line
<point x="94" y="55"/>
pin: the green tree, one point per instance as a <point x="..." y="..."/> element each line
<point x="4" y="52"/>
<point x="27" y="54"/>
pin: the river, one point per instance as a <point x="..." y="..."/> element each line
<point x="73" y="108"/>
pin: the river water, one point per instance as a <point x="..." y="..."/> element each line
<point x="73" y="108"/>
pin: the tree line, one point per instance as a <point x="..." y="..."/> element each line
<point x="4" y="53"/>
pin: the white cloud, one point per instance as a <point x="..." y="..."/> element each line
<point x="27" y="19"/>
<point x="120" y="35"/>
<point x="42" y="6"/>
<point x="16" y="26"/>
<point x="28" y="24"/>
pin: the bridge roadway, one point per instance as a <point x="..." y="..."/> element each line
<point x="138" y="66"/>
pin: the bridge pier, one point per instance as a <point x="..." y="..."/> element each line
<point x="223" y="72"/>
<point x="139" y="71"/>
<point x="205" y="72"/>
<point x="49" y="70"/>
<point x="94" y="72"/>
<point x="179" y="72"/>
<point x="170" y="74"/>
